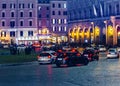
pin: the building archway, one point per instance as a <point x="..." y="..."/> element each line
<point x="91" y="38"/>
<point x="110" y="35"/>
<point x="81" y="36"/>
<point x="118" y="35"/>
<point x="97" y="35"/>
<point x="86" y="35"/>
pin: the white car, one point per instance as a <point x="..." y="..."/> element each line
<point x="118" y="50"/>
<point x="102" y="48"/>
<point x="113" y="53"/>
<point x="47" y="57"/>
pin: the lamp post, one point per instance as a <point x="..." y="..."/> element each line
<point x="106" y="32"/>
<point x="93" y="31"/>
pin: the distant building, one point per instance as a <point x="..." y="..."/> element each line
<point x="44" y="20"/>
<point x="58" y="11"/>
<point x="94" y="21"/>
<point x="27" y="21"/>
<point x="18" y="21"/>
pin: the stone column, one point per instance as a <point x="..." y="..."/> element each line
<point x="114" y="30"/>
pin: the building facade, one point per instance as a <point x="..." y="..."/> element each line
<point x="58" y="20"/>
<point x="44" y="21"/>
<point x="94" y="21"/>
<point x="24" y="22"/>
<point x="18" y="21"/>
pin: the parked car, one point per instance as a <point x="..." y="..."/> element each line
<point x="47" y="57"/>
<point x="118" y="50"/>
<point x="5" y="45"/>
<point x="112" y="53"/>
<point x="70" y="59"/>
<point x="102" y="48"/>
<point x="91" y="54"/>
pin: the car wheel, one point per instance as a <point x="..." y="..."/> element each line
<point x="69" y="63"/>
<point x="118" y="56"/>
<point x="97" y="58"/>
<point x="86" y="61"/>
<point x="40" y="63"/>
<point x="58" y="65"/>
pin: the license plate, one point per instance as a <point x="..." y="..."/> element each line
<point x="85" y="55"/>
<point x="59" y="58"/>
<point x="112" y="53"/>
<point x="44" y="58"/>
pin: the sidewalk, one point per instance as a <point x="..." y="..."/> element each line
<point x="17" y="64"/>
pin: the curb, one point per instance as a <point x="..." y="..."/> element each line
<point x="17" y="64"/>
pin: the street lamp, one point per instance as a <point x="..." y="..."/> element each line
<point x="106" y="31"/>
<point x="92" y="23"/>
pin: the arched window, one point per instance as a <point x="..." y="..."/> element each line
<point x="85" y="14"/>
<point x="117" y="9"/>
<point x="110" y="10"/>
<point x="90" y="13"/>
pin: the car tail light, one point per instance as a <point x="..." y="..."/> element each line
<point x="59" y="50"/>
<point x="49" y="56"/>
<point x="73" y="50"/>
<point x="64" y="54"/>
<point x="55" y="54"/>
<point x="65" y="58"/>
<point x="78" y="54"/>
<point x="90" y="55"/>
<point x="38" y="57"/>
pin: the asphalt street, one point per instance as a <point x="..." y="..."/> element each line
<point x="105" y="72"/>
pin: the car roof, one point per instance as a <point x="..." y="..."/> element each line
<point x="112" y="48"/>
<point x="48" y="51"/>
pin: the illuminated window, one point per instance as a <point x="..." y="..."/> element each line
<point x="40" y="32"/>
<point x="65" y="28"/>
<point x="53" y="21"/>
<point x="21" y="5"/>
<point x="12" y="5"/>
<point x="59" y="28"/>
<point x="53" y="28"/>
<point x="3" y="34"/>
<point x="59" y="21"/>
<point x="65" y="6"/>
<point x="30" y="5"/>
<point x="65" y="21"/>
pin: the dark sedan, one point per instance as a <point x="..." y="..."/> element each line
<point x="91" y="54"/>
<point x="70" y="59"/>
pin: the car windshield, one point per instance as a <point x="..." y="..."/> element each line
<point x="111" y="50"/>
<point x="44" y="54"/>
<point x="70" y="54"/>
<point x="88" y="51"/>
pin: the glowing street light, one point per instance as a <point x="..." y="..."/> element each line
<point x="106" y="31"/>
<point x="92" y="23"/>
